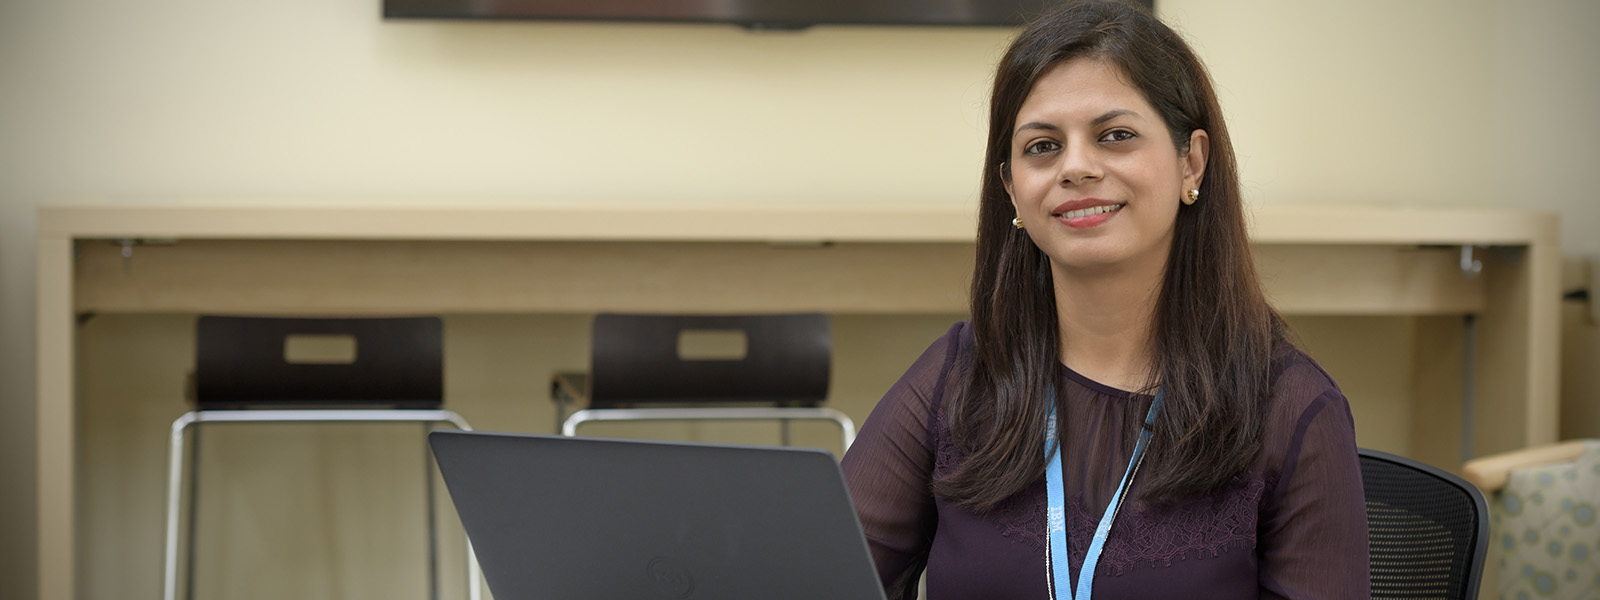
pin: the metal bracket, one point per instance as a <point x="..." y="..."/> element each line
<point x="1470" y="267"/>
<point x="127" y="254"/>
<point x="127" y="245"/>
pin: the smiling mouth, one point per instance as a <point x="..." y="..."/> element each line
<point x="1089" y="212"/>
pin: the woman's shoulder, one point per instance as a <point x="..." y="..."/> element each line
<point x="960" y="334"/>
<point x="1298" y="381"/>
<point x="1305" y="401"/>
<point x="930" y="369"/>
<point x="952" y="348"/>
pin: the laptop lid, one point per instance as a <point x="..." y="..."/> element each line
<point x="584" y="518"/>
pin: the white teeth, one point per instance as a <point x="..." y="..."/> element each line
<point x="1091" y="211"/>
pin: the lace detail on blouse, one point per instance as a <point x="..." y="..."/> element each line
<point x="1020" y="517"/>
<point x="1154" y="536"/>
<point x="1157" y="536"/>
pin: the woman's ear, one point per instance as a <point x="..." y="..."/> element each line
<point x="1194" y="163"/>
<point x="1005" y="180"/>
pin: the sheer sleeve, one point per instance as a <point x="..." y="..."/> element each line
<point x="889" y="469"/>
<point x="1313" y="538"/>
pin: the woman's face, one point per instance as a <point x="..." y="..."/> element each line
<point x="1093" y="172"/>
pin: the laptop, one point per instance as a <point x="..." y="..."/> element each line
<point x="584" y="518"/>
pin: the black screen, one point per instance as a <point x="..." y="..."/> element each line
<point x="779" y="14"/>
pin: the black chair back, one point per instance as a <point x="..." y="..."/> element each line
<point x="245" y="362"/>
<point x="1428" y="529"/>
<point x="636" y="360"/>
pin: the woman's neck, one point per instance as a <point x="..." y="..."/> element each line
<point x="1104" y="319"/>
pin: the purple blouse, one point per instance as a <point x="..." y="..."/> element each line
<point x="1292" y="526"/>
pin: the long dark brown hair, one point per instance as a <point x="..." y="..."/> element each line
<point x="1212" y="333"/>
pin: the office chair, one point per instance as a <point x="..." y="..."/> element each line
<point x="248" y="370"/>
<point x="645" y="368"/>
<point x="1428" y="529"/>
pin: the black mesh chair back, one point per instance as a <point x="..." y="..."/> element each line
<point x="243" y="362"/>
<point x="1428" y="529"/>
<point x="637" y="360"/>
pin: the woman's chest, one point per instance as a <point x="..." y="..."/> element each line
<point x="1204" y="547"/>
<point x="1191" y="552"/>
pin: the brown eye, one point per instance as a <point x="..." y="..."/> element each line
<point x="1118" y="135"/>
<point x="1040" y="147"/>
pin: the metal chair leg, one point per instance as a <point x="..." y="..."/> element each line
<point x="193" y="483"/>
<point x="175" y="479"/>
<point x="433" y="537"/>
<point x="175" y="460"/>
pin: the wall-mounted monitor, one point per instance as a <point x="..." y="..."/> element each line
<point x="755" y="14"/>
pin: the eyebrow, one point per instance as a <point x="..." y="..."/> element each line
<point x="1098" y="121"/>
<point x="1036" y="125"/>
<point x="1112" y="115"/>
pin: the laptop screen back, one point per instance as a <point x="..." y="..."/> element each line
<point x="579" y="519"/>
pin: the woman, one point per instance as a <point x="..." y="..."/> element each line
<point x="1113" y="269"/>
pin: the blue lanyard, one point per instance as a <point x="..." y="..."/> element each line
<point x="1060" y="570"/>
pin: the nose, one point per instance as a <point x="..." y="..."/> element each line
<point x="1079" y="163"/>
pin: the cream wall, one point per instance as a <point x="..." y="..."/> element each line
<point x="1426" y="102"/>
